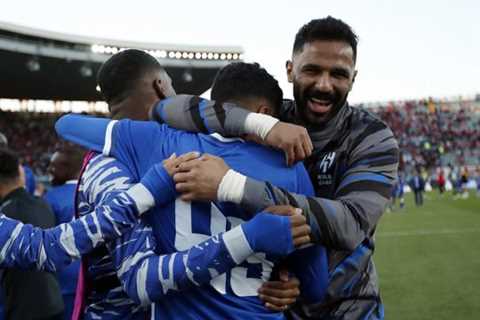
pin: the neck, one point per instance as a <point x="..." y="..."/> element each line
<point x="134" y="107"/>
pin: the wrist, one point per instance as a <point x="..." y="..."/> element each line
<point x="237" y="244"/>
<point x="259" y="124"/>
<point x="232" y="186"/>
<point x="263" y="228"/>
<point x="142" y="197"/>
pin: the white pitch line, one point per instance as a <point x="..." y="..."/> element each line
<point x="426" y="232"/>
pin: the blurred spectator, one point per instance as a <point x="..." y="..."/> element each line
<point x="441" y="181"/>
<point x="417" y="184"/>
<point x="27" y="294"/>
<point x="64" y="170"/>
<point x="430" y="134"/>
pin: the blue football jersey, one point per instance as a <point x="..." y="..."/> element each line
<point x="233" y="294"/>
<point x="181" y="225"/>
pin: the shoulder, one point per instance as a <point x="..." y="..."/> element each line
<point x="102" y="176"/>
<point x="367" y="129"/>
<point x="362" y="120"/>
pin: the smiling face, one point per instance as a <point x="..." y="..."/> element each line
<point x="322" y="73"/>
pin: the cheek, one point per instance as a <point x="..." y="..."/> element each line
<point x="302" y="83"/>
<point x="342" y="87"/>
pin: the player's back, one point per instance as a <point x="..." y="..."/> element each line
<point x="181" y="225"/>
<point x="232" y="295"/>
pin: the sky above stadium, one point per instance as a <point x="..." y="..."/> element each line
<point x="407" y="49"/>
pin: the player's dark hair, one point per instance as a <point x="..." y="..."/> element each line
<point x="9" y="163"/>
<point x="118" y="76"/>
<point x="328" y="28"/>
<point x="246" y="80"/>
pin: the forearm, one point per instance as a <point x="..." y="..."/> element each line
<point x="340" y="224"/>
<point x="147" y="277"/>
<point x="28" y="247"/>
<point x="195" y="114"/>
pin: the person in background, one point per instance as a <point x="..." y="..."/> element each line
<point x="417" y="184"/>
<point x="29" y="177"/>
<point x="28" y="294"/>
<point x="441" y="181"/>
<point x="64" y="170"/>
<point x="397" y="192"/>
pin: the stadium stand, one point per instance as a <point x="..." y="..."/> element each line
<point x="435" y="134"/>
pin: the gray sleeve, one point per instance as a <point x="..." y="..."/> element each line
<point x="195" y="114"/>
<point x="363" y="192"/>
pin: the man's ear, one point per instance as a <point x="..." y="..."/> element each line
<point x="157" y="86"/>
<point x="289" y="68"/>
<point x="265" y="110"/>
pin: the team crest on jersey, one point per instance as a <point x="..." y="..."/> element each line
<point x="324" y="177"/>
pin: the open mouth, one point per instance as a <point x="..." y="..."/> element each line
<point x="319" y="105"/>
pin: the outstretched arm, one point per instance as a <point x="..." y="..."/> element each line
<point x="28" y="247"/>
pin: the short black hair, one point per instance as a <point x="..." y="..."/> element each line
<point x="328" y="28"/>
<point x="118" y="75"/>
<point x="246" y="80"/>
<point x="9" y="163"/>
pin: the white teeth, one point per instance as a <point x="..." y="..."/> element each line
<point x="323" y="102"/>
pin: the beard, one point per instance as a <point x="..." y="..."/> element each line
<point x="315" y="107"/>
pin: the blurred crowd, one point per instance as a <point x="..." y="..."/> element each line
<point x="431" y="134"/>
<point x="435" y="134"/>
<point x="32" y="136"/>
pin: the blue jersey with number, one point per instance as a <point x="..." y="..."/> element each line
<point x="181" y="225"/>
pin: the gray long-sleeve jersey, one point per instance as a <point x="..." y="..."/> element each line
<point x="353" y="168"/>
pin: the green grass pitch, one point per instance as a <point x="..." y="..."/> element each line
<point x="428" y="259"/>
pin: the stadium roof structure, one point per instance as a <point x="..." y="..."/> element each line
<point x="40" y="64"/>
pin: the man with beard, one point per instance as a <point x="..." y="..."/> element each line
<point x="353" y="165"/>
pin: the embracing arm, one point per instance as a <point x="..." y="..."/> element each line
<point x="363" y="192"/>
<point x="195" y="114"/>
<point x="147" y="276"/>
<point x="341" y="223"/>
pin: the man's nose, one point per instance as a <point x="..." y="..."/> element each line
<point x="324" y="82"/>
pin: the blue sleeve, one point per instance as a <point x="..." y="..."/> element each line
<point x="28" y="247"/>
<point x="313" y="269"/>
<point x="146" y="276"/>
<point x="131" y="142"/>
<point x="88" y="132"/>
